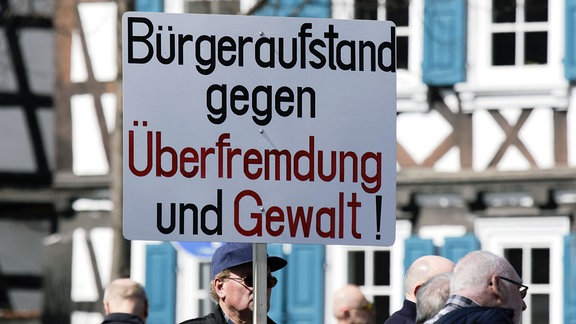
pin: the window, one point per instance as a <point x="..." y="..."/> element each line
<point x="205" y="304"/>
<point x="377" y="270"/>
<point x="366" y="9"/>
<point x="519" y="32"/>
<point x="396" y="11"/>
<point x="515" y="55"/>
<point x="225" y="7"/>
<point x="371" y="267"/>
<point x="408" y="16"/>
<point x="193" y="287"/>
<point x="533" y="266"/>
<point x="534" y="247"/>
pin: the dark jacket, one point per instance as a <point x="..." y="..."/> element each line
<point x="122" y="318"/>
<point x="478" y="315"/>
<point x="214" y="318"/>
<point x="406" y="315"/>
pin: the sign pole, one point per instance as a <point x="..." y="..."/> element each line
<point x="260" y="273"/>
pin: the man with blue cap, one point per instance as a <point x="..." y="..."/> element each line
<point x="231" y="285"/>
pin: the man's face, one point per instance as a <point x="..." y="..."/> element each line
<point x="363" y="314"/>
<point x="237" y="295"/>
<point x="513" y="296"/>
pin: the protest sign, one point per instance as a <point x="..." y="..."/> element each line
<point x="259" y="129"/>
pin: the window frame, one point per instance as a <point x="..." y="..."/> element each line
<point x="519" y="28"/>
<point x="179" y="6"/>
<point x="481" y="72"/>
<point x="412" y="93"/>
<point x="497" y="234"/>
<point x="337" y="270"/>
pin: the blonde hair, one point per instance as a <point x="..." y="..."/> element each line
<point x="126" y="296"/>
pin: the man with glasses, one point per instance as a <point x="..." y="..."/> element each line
<point x="485" y="288"/>
<point x="350" y="306"/>
<point x="231" y="285"/>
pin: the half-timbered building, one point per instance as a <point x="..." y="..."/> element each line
<point x="486" y="158"/>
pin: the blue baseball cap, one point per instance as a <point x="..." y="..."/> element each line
<point x="229" y="255"/>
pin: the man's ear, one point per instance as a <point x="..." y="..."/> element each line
<point x="416" y="289"/>
<point x="219" y="287"/>
<point x="146" y="307"/>
<point x="496" y="289"/>
<point x="106" y="308"/>
<point x="346" y="313"/>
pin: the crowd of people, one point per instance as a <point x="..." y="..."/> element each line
<point x="481" y="287"/>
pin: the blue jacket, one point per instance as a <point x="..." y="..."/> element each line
<point x="478" y="315"/>
<point x="406" y="315"/>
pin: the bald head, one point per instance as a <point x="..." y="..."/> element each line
<point x="126" y="296"/>
<point x="348" y="306"/>
<point x="423" y="269"/>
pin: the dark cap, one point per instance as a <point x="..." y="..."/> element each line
<point x="234" y="254"/>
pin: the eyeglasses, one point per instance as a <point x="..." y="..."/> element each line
<point x="248" y="281"/>
<point x="366" y="307"/>
<point x="523" y="288"/>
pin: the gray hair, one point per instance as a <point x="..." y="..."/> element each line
<point x="475" y="269"/>
<point x="432" y="296"/>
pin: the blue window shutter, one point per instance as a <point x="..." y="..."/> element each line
<point x="456" y="247"/>
<point x="149" y="5"/>
<point x="161" y="283"/>
<point x="305" y="298"/>
<point x="570" y="279"/>
<point x="416" y="247"/>
<point x="278" y="299"/>
<point x="296" y="8"/>
<point x="570" y="42"/>
<point x="444" y="62"/>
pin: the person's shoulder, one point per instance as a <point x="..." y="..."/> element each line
<point x="119" y="318"/>
<point x="208" y="319"/>
<point x="398" y="320"/>
<point x="498" y="314"/>
<point x="407" y="314"/>
<point x="492" y="315"/>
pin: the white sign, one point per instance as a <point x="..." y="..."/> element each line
<point x="259" y="129"/>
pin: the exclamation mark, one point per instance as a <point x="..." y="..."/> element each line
<point x="378" y="212"/>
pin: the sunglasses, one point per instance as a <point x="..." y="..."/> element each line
<point x="366" y="307"/>
<point x="522" y="288"/>
<point x="248" y="281"/>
